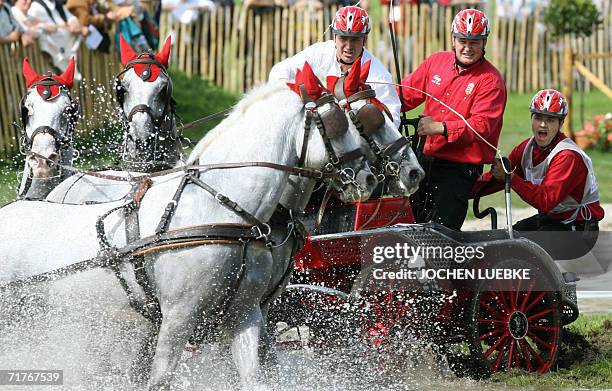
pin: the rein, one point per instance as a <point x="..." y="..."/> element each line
<point x="163" y="124"/>
<point x="498" y="151"/>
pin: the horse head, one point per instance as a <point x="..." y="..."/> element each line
<point x="144" y="93"/>
<point x="389" y="153"/>
<point x="340" y="151"/>
<point x="48" y="116"/>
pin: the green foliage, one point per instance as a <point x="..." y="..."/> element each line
<point x="197" y="98"/>
<point x="578" y="17"/>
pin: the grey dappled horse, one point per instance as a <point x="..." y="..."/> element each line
<point x="48" y="116"/>
<point x="192" y="283"/>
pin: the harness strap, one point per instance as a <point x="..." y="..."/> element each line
<point x="364" y="94"/>
<point x="395" y="146"/>
<point x="326" y="196"/>
<point x="303" y="172"/>
<point x="151" y="308"/>
<point x="307" y="125"/>
<point x="112" y="256"/>
<point x="263" y="229"/>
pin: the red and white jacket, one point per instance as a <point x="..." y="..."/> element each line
<point x="478" y="93"/>
<point x="322" y="58"/>
<point x="564" y="178"/>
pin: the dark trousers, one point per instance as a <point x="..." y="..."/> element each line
<point x="561" y="241"/>
<point x="444" y="193"/>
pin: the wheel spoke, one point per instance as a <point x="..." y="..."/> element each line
<point x="496" y="344"/>
<point x="535" y="301"/>
<point x="534" y="353"/>
<point x="540" y="341"/>
<point x="540" y="314"/>
<point x="492" y="311"/>
<point x="543" y="328"/>
<point x="527" y="295"/>
<point x="517" y="358"/>
<point x="491" y="321"/>
<point x="500" y="356"/>
<point x="512" y="298"/>
<point x="510" y="354"/>
<point x="526" y="356"/>
<point x="489" y="334"/>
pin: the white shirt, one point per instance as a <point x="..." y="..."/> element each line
<point x="37" y="11"/>
<point x="61" y="44"/>
<point x="322" y="58"/>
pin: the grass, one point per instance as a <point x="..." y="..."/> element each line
<point x="591" y="369"/>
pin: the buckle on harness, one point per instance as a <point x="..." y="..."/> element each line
<point x="221" y="198"/>
<point x="259" y="234"/>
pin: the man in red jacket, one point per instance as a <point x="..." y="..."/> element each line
<point x="453" y="154"/>
<point x="552" y="174"/>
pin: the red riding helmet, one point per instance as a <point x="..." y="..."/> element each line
<point x="351" y="21"/>
<point x="549" y="102"/>
<point x="471" y="23"/>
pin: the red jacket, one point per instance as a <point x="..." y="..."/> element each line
<point x="566" y="175"/>
<point x="478" y="93"/>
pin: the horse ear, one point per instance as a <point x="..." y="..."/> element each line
<point x="365" y="71"/>
<point x="28" y="73"/>
<point x="351" y="82"/>
<point x="164" y="54"/>
<point x="68" y="76"/>
<point x="127" y="53"/>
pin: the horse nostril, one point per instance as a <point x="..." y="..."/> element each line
<point x="371" y="180"/>
<point x="414" y="175"/>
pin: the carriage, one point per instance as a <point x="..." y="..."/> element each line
<point x="336" y="267"/>
<point x="481" y="323"/>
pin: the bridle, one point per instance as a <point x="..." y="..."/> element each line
<point x="63" y="142"/>
<point x="369" y="119"/>
<point x="161" y="141"/>
<point x="331" y="123"/>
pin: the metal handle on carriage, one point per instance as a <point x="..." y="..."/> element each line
<point x="507" y="191"/>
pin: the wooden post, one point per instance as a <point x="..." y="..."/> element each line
<point x="568" y="62"/>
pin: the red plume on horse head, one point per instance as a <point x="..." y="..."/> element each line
<point x="355" y="81"/>
<point x="66" y="79"/>
<point x="310" y="81"/>
<point x="128" y="54"/>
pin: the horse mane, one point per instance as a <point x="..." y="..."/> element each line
<point x="256" y="95"/>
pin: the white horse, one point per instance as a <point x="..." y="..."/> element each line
<point x="193" y="283"/>
<point x="152" y="141"/>
<point x="48" y="116"/>
<point x="397" y="165"/>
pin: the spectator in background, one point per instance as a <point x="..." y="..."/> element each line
<point x="10" y="29"/>
<point x="92" y="13"/>
<point x="30" y="25"/>
<point x="64" y="42"/>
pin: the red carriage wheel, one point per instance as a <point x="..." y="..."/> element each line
<point x="516" y="323"/>
<point x="386" y="309"/>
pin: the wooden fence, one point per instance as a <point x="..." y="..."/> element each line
<point x="237" y="51"/>
<point x="94" y="92"/>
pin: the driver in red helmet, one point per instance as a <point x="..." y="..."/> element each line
<point x="453" y="156"/>
<point x="555" y="176"/>
<point x="551" y="173"/>
<point x="350" y="26"/>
